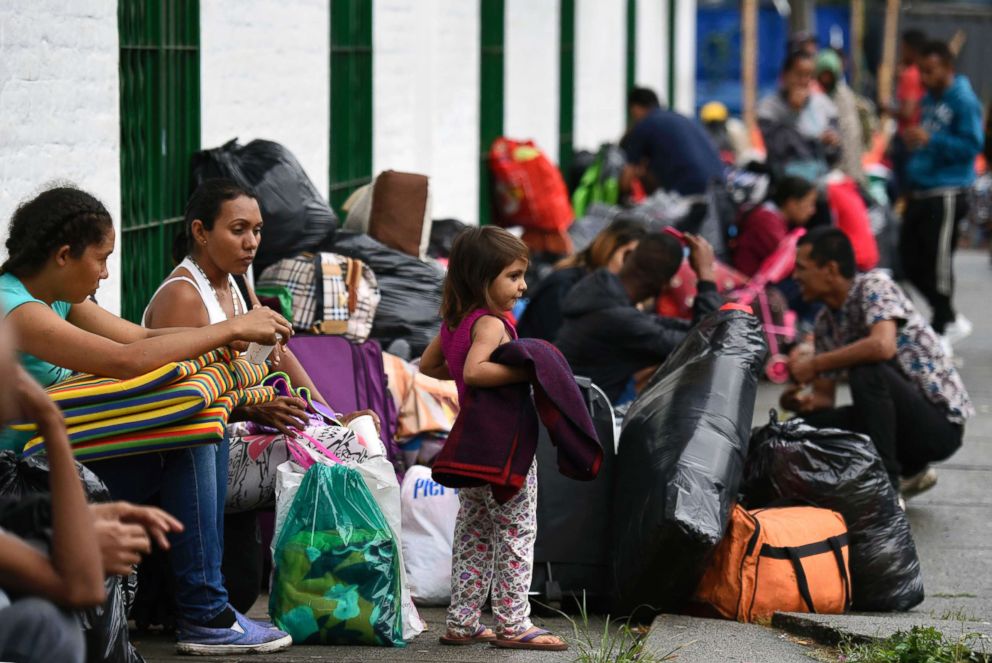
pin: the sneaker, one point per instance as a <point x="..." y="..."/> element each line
<point x="958" y="330"/>
<point x="918" y="483"/>
<point x="243" y="637"/>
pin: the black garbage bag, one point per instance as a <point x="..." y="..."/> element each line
<point x="443" y="234"/>
<point x="410" y="306"/>
<point x="681" y="457"/>
<point x="840" y="470"/>
<point x="105" y="626"/>
<point x="297" y="218"/>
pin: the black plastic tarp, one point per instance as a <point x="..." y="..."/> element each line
<point x="839" y="470"/>
<point x="411" y="291"/>
<point x="296" y="216"/>
<point x="681" y="457"/>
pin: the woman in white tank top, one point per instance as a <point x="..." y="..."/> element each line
<point x="219" y="243"/>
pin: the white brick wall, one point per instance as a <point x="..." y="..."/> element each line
<point x="600" y="72"/>
<point x="59" y="117"/>
<point x="531" y="73"/>
<point x="426" y="98"/>
<point x="264" y="73"/>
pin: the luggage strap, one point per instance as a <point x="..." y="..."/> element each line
<point x="795" y="554"/>
<point x="352" y="277"/>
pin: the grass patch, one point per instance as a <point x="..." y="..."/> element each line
<point x="617" y="643"/>
<point x="922" y="644"/>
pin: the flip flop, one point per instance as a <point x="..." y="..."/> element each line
<point x="475" y="638"/>
<point x="526" y="641"/>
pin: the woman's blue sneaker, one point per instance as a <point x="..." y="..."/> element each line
<point x="243" y="637"/>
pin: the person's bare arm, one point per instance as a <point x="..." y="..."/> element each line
<point x="488" y="334"/>
<point x="72" y="576"/>
<point x="99" y="321"/>
<point x="878" y="346"/>
<point x="432" y="362"/>
<point x="42" y="333"/>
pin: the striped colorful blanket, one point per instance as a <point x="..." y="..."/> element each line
<point x="178" y="405"/>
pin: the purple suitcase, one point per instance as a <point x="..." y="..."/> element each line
<point x="351" y="377"/>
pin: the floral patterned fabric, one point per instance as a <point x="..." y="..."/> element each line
<point x="493" y="551"/>
<point x="255" y="453"/>
<point x="875" y="297"/>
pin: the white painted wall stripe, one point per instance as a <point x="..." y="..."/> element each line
<point x="600" y="72"/>
<point x="59" y="108"/>
<point x="426" y="98"/>
<point x="531" y="83"/>
<point x="652" y="46"/>
<point x="264" y="73"/>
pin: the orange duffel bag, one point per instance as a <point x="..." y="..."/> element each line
<point x="789" y="559"/>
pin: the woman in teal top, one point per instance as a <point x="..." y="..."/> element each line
<point x="58" y="248"/>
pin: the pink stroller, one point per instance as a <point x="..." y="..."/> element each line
<point x="776" y="267"/>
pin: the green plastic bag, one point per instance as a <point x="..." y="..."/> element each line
<point x="281" y="293"/>
<point x="337" y="575"/>
<point x="597" y="185"/>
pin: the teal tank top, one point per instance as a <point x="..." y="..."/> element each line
<point x="12" y="295"/>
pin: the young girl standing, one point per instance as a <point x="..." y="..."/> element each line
<point x="493" y="543"/>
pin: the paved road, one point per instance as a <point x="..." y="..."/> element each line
<point x="951" y="525"/>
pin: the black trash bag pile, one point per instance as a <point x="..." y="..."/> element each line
<point x="840" y="470"/>
<point x="297" y="218"/>
<point x="443" y="234"/>
<point x="105" y="626"/>
<point x="410" y="306"/>
<point x="681" y="457"/>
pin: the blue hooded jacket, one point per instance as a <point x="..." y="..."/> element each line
<point x="954" y="122"/>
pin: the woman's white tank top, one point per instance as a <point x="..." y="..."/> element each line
<point x="203" y="287"/>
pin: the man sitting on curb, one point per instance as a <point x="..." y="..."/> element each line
<point x="908" y="396"/>
<point x="606" y="338"/>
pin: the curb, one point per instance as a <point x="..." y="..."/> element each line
<point x="830" y="630"/>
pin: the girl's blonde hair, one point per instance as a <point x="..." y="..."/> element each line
<point x="478" y="256"/>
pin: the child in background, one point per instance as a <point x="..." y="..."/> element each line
<point x="494" y="543"/>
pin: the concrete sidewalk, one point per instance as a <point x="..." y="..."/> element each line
<point x="950" y="525"/>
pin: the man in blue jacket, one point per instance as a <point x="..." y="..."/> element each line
<point x="940" y="170"/>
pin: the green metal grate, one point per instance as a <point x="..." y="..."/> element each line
<point x="160" y="131"/>
<point x="490" y="96"/>
<point x="566" y="86"/>
<point x="631" y="48"/>
<point x="351" y="98"/>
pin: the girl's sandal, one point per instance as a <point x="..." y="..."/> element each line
<point x="482" y="634"/>
<point x="526" y="641"/>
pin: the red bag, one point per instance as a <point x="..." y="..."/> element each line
<point x="676" y="300"/>
<point x="528" y="189"/>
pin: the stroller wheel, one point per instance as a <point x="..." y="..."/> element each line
<point x="777" y="369"/>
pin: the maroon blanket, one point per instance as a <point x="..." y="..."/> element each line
<point x="495" y="435"/>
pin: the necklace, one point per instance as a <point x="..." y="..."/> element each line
<point x="234" y="297"/>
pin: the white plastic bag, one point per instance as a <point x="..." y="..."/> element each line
<point x="429" y="512"/>
<point x="289" y="476"/>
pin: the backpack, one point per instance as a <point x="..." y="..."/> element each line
<point x="789" y="559"/>
<point x="528" y="189"/>
<point x="342" y="302"/>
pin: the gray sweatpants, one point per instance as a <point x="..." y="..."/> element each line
<point x="33" y="630"/>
